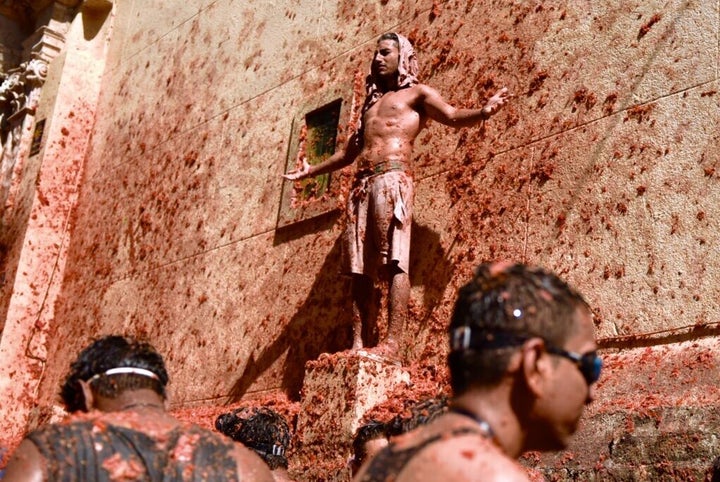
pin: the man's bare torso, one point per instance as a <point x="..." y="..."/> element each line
<point x="467" y="455"/>
<point x="391" y="126"/>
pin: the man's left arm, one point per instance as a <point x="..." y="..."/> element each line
<point x="438" y="109"/>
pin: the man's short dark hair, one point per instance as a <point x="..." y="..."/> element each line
<point x="113" y="352"/>
<point x="389" y="36"/>
<point x="421" y="413"/>
<point x="261" y="429"/>
<point x="496" y="310"/>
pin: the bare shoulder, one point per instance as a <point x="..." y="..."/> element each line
<point x="26" y="464"/>
<point x="429" y="98"/>
<point x="425" y="91"/>
<point x="250" y="466"/>
<point x="468" y="458"/>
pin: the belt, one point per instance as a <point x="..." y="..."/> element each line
<point x="380" y="168"/>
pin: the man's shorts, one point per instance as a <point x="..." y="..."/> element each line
<point x="379" y="218"/>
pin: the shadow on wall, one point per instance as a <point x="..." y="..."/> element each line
<point x="94" y="14"/>
<point x="322" y="324"/>
<point x="429" y="266"/>
<point x="432" y="269"/>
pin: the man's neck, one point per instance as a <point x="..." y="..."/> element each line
<point x="133" y="400"/>
<point x="388" y="85"/>
<point x="493" y="406"/>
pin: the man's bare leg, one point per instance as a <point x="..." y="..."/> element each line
<point x="361" y="298"/>
<point x="398" y="308"/>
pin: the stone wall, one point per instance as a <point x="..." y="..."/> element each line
<point x="603" y="168"/>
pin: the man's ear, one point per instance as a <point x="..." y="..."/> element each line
<point x="534" y="365"/>
<point x="88" y="396"/>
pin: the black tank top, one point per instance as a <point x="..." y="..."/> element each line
<point x="389" y="463"/>
<point x="93" y="451"/>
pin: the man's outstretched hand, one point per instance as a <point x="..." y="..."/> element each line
<point x="304" y="171"/>
<point x="496" y="101"/>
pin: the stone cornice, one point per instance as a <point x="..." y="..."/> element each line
<point x="45" y="43"/>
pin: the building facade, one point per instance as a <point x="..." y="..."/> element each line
<point x="143" y="143"/>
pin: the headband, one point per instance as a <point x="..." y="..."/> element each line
<point x="464" y="337"/>
<point x="124" y="371"/>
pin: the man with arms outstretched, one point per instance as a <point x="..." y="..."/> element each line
<point x="379" y="210"/>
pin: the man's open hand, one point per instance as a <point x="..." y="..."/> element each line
<point x="304" y="171"/>
<point x="497" y="101"/>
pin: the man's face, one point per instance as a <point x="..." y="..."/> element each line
<point x="558" y="412"/>
<point x="386" y="60"/>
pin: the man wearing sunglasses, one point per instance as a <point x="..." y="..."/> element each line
<point x="522" y="365"/>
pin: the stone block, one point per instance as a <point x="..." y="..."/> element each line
<point x="339" y="389"/>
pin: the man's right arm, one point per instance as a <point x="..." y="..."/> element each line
<point x="341" y="158"/>
<point x="26" y="464"/>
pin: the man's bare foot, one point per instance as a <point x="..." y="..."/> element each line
<point x="388" y="349"/>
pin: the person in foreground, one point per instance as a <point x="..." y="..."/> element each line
<point x="374" y="435"/>
<point x="370" y="438"/>
<point x="125" y="433"/>
<point x="263" y="430"/>
<point x="522" y="364"/>
<point x="376" y="241"/>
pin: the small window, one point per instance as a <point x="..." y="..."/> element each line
<point x="319" y="128"/>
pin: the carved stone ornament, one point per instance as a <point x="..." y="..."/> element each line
<point x="20" y="89"/>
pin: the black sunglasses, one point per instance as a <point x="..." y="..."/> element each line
<point x="589" y="364"/>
